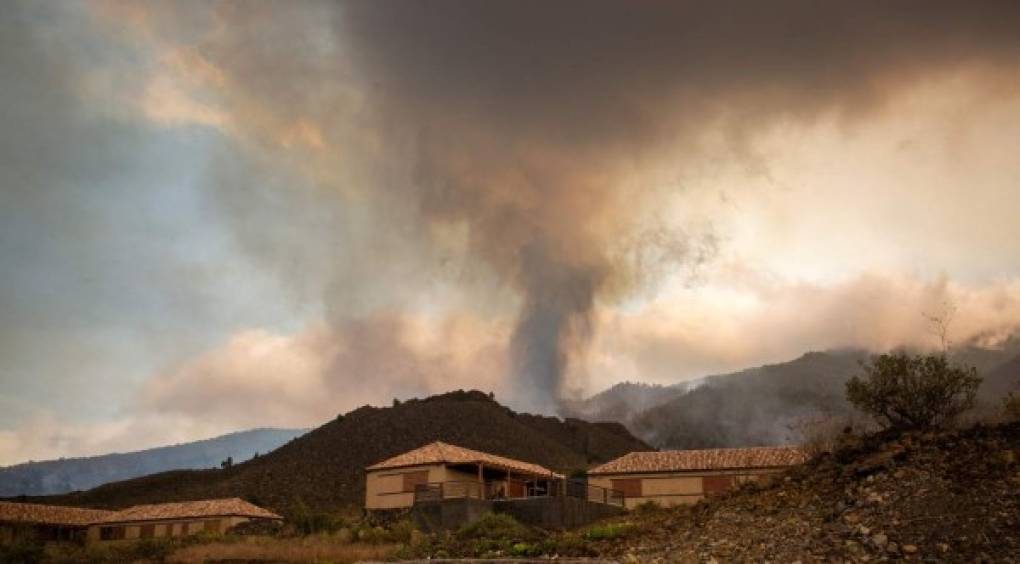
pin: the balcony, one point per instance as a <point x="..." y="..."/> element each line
<point x="516" y="490"/>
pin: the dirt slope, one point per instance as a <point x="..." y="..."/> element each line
<point x="936" y="497"/>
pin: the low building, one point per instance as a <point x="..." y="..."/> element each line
<point x="443" y="471"/>
<point x="686" y="476"/>
<point x="35" y="522"/>
<point x="164" y="520"/>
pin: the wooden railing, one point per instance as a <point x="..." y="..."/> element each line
<point x="435" y="491"/>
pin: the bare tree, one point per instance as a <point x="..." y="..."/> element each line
<point x="939" y="323"/>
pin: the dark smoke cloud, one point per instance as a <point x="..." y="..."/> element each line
<point x="532" y="114"/>
<point x="534" y="126"/>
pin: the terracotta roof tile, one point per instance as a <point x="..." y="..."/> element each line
<point x="440" y="452"/>
<point x="49" y="514"/>
<point x="710" y="459"/>
<point x="190" y="509"/>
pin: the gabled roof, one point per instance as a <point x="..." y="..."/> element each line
<point x="232" y="507"/>
<point x="444" y="453"/>
<point x="709" y="459"/>
<point x="49" y="514"/>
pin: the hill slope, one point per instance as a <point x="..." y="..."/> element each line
<point x="947" y="497"/>
<point x="70" y="474"/>
<point x="324" y="468"/>
<point x="762" y="406"/>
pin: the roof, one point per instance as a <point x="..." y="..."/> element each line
<point x="49" y="514"/>
<point x="440" y="452"/>
<point x="709" y="459"/>
<point x="233" y="507"/>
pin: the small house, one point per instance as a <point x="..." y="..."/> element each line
<point x="163" y="520"/>
<point x="676" y="477"/>
<point x="443" y="471"/>
<point x="35" y="522"/>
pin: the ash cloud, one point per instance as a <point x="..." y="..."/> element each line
<point x="531" y="128"/>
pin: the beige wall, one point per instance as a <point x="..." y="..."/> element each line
<point x="384" y="489"/>
<point x="163" y="529"/>
<point x="676" y="488"/>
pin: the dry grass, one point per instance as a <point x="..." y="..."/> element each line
<point x="267" y="549"/>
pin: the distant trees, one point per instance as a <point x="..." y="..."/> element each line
<point x="904" y="391"/>
<point x="228" y="463"/>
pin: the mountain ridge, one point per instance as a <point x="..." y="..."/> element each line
<point x="63" y="475"/>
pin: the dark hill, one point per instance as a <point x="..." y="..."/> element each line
<point x="324" y="468"/>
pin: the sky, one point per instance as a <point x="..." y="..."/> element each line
<point x="223" y="215"/>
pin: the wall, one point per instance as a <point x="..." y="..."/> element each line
<point x="555" y="512"/>
<point x="384" y="489"/>
<point x="448" y="514"/>
<point x="677" y="488"/>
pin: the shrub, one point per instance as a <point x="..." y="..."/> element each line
<point x="608" y="531"/>
<point x="903" y="391"/>
<point x="495" y="526"/>
<point x="21" y="552"/>
<point x="650" y="506"/>
<point x="308" y="522"/>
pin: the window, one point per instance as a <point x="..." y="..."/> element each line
<point x="212" y="526"/>
<point x="184" y="529"/>
<point x="716" y="484"/>
<point x="147" y="531"/>
<point x="111" y="533"/>
<point x="631" y="487"/>
<point x="412" y="479"/>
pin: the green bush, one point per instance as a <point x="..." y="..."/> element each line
<point x="151" y="550"/>
<point x="608" y="531"/>
<point x="903" y="391"/>
<point x="308" y="522"/>
<point x="495" y="526"/>
<point x="21" y="552"/>
<point x="649" y="506"/>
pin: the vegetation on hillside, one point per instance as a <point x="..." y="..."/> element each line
<point x="905" y="391"/>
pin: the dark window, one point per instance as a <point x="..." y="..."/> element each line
<point x="412" y="479"/>
<point x="631" y="487"/>
<point x="147" y="531"/>
<point x="111" y="533"/>
<point x="716" y="484"/>
<point x="184" y="529"/>
<point x="212" y="526"/>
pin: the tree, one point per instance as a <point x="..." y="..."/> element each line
<point x="229" y="462"/>
<point x="903" y="391"/>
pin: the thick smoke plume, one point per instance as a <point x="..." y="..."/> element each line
<point x="532" y="138"/>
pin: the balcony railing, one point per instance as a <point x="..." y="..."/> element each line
<point x="501" y="489"/>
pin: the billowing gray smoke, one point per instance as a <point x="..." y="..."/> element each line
<point x="539" y="133"/>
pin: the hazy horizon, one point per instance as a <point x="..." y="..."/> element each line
<point x="217" y="216"/>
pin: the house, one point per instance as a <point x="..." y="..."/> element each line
<point x="444" y="471"/>
<point x="176" y="519"/>
<point x="35" y="522"/>
<point x="447" y="486"/>
<point x="29" y="521"/>
<point x="685" y="476"/>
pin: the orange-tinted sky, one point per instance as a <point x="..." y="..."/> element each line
<point x="221" y="215"/>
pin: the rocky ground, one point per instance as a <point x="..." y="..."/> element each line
<point x="951" y="496"/>
<point x="937" y="497"/>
